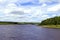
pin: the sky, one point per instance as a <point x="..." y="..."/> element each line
<point x="28" y="10"/>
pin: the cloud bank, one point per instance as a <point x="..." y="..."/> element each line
<point x="28" y="10"/>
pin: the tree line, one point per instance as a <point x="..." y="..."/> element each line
<point x="51" y="21"/>
<point x="20" y="23"/>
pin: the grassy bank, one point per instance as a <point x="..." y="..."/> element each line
<point x="51" y="26"/>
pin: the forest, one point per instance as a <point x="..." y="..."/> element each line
<point x="51" y="21"/>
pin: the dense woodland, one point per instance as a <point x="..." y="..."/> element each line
<point x="51" y="21"/>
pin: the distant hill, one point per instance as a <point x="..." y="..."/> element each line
<point x="51" y="21"/>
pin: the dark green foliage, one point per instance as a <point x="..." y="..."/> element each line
<point x="51" y="21"/>
<point x="8" y="22"/>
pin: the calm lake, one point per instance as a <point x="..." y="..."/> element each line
<point x="28" y="32"/>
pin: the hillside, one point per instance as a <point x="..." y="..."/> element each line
<point x="51" y="21"/>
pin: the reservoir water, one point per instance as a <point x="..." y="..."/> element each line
<point x="28" y="32"/>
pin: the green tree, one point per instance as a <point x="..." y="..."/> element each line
<point x="51" y="21"/>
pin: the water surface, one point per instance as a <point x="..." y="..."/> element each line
<point x="28" y="32"/>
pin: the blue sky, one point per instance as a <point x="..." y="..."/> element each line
<point x="28" y="10"/>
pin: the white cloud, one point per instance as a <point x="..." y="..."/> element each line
<point x="2" y="1"/>
<point x="7" y="11"/>
<point x="30" y="13"/>
<point x="43" y="1"/>
<point x="54" y="8"/>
